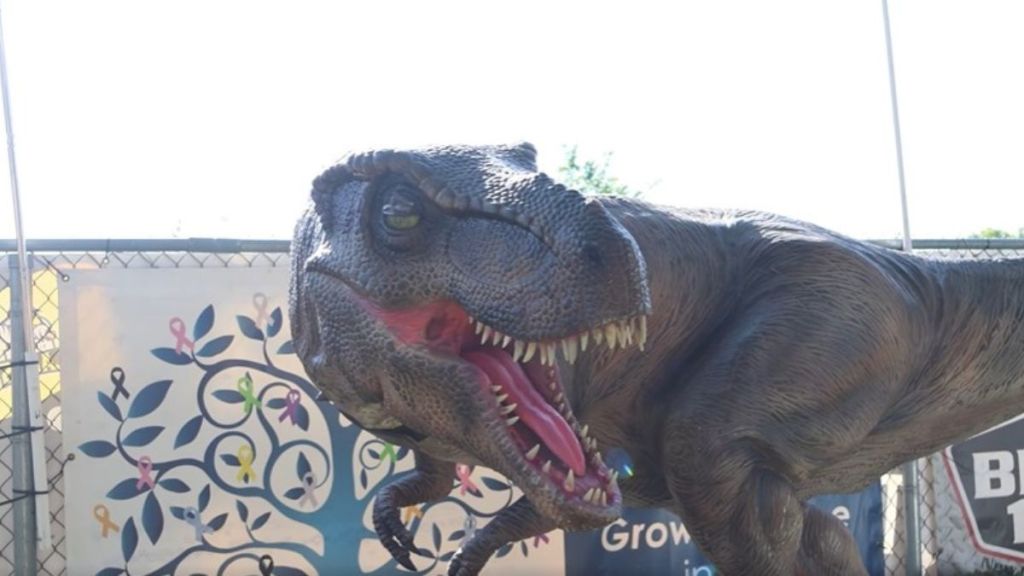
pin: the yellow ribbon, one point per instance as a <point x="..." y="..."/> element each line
<point x="245" y="458"/>
<point x="410" y="512"/>
<point x="101" y="513"/>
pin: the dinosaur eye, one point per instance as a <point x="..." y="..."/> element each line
<point x="401" y="211"/>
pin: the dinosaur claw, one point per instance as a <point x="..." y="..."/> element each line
<point x="403" y="559"/>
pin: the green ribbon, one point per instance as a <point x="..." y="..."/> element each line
<point x="389" y="451"/>
<point x="245" y="389"/>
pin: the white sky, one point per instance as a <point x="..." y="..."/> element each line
<point x="200" y="118"/>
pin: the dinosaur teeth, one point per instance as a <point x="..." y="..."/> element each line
<point x="496" y="388"/>
<point x="615" y="476"/>
<point x="486" y="335"/>
<point x="589" y="495"/>
<point x="546" y="468"/>
<point x="509" y="409"/>
<point x="479" y="327"/>
<point x="604" y="496"/>
<point x="512" y="420"/>
<point x="502" y="398"/>
<point x="584" y="340"/>
<point x="583" y="431"/>
<point x="598" y="335"/>
<point x="531" y="349"/>
<point x="643" y="331"/>
<point x="517" y="351"/>
<point x="505" y="340"/>
<point x="611" y="333"/>
<point x="560" y="397"/>
<point x="570" y="481"/>
<point x="533" y="452"/>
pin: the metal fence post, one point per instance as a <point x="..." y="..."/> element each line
<point x="912" y="507"/>
<point x="21" y="445"/>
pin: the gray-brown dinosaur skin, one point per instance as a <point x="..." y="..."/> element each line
<point x="781" y="361"/>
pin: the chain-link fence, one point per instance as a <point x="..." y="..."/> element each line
<point x="52" y="261"/>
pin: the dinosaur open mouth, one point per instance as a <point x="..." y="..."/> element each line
<point x="524" y="380"/>
<point x="520" y="380"/>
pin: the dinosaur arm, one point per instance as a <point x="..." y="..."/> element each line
<point x="431" y="480"/>
<point x="518" y="521"/>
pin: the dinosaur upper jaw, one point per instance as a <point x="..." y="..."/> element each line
<point x="535" y="438"/>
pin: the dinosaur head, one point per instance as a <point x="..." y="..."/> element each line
<point x="444" y="293"/>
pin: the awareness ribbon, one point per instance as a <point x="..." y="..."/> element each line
<point x="463" y="471"/>
<point x="410" y="512"/>
<point x="308" y="487"/>
<point x="245" y="389"/>
<point x="259" y="301"/>
<point x="145" y="466"/>
<point x="389" y="451"/>
<point x="117" y="379"/>
<point x="101" y="513"/>
<point x="178" y="330"/>
<point x="266" y="565"/>
<point x="245" y="458"/>
<point x="292" y="401"/>
<point x="192" y="518"/>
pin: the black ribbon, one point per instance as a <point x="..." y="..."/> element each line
<point x="117" y="379"/>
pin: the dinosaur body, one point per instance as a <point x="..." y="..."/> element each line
<point x="744" y="361"/>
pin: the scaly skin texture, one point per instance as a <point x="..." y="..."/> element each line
<point x="744" y="361"/>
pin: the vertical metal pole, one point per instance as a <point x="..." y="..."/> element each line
<point x="22" y="481"/>
<point x="27" y="386"/>
<point x="911" y="499"/>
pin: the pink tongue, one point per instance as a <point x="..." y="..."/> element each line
<point x="534" y="411"/>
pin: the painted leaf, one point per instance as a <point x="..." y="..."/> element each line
<point x="174" y="485"/>
<point x="143" y="436"/>
<point x="129" y="539"/>
<point x="504" y="550"/>
<point x="402" y="451"/>
<point x="302" y="467"/>
<point x="218" y="522"/>
<point x="447" y="556"/>
<point x="373" y="453"/>
<point x="125" y="489"/>
<point x="203" y="323"/>
<point x="277" y="403"/>
<point x="149" y="398"/>
<point x="171" y="356"/>
<point x="274" y="326"/>
<point x="294" y="493"/>
<point x="362" y="478"/>
<point x="204" y="498"/>
<point x="215" y="346"/>
<point x="437" y="537"/>
<point x="243" y="512"/>
<point x="188" y="432"/>
<point x="110" y="406"/>
<point x="495" y="484"/>
<point x="260" y="521"/>
<point x="302" y="417"/>
<point x="249" y="328"/>
<point x="457" y="535"/>
<point x="229" y="396"/>
<point x="152" y="518"/>
<point x="230" y="460"/>
<point x="426" y="553"/>
<point x="286" y="348"/>
<point x="522" y="546"/>
<point x="97" y="448"/>
<point x="112" y="571"/>
<point x="178" y="512"/>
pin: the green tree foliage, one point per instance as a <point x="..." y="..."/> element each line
<point x="990" y="233"/>
<point x="590" y="176"/>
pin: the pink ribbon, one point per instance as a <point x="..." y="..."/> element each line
<point x="463" y="471"/>
<point x="145" y="467"/>
<point x="259" y="301"/>
<point x="292" y="404"/>
<point x="178" y="330"/>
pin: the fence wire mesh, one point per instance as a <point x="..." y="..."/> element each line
<point x="942" y="530"/>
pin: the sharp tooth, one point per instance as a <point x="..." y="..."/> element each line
<point x="479" y="327"/>
<point x="573" y="346"/>
<point x="551" y="354"/>
<point x="512" y="420"/>
<point x="553" y="385"/>
<point x="495" y="388"/>
<point x="533" y="452"/>
<point x="502" y="398"/>
<point x="597" y="459"/>
<point x="588" y="495"/>
<point x="531" y="348"/>
<point x="510" y="408"/>
<point x="562" y="408"/>
<point x="598" y="336"/>
<point x="517" y="351"/>
<point x="570" y="481"/>
<point x="627" y="329"/>
<point x="583" y="431"/>
<point x="584" y="340"/>
<point x="543" y="354"/>
<point x="546" y="467"/>
<point x="505" y="340"/>
<point x="610" y="333"/>
<point x="559" y="397"/>
<point x="604" y="496"/>
<point x="643" y="331"/>
<point x="470" y="319"/>
<point x="615" y="475"/>
<point x="486" y="335"/>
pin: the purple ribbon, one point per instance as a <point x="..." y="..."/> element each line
<point x="292" y="405"/>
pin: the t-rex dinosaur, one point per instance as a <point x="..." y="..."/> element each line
<point x="459" y="302"/>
